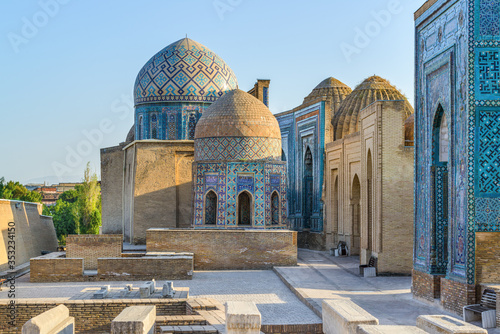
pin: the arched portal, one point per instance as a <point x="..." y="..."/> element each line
<point x="275" y="208"/>
<point x="355" y="213"/>
<point x="308" y="188"/>
<point x="244" y="209"/>
<point x="283" y="155"/>
<point x="439" y="170"/>
<point x="369" y="200"/>
<point x="211" y="208"/>
<point x="154" y="127"/>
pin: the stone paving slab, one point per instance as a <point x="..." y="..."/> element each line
<point x="321" y="276"/>
<point x="277" y="304"/>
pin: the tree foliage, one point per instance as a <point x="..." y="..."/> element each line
<point x="16" y="191"/>
<point x="78" y="211"/>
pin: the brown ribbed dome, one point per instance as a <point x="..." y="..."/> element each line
<point x="346" y="119"/>
<point x="130" y="135"/>
<point x="330" y="87"/>
<point x="237" y="114"/>
<point x="409" y="130"/>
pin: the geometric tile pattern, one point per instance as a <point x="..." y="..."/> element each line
<point x="232" y="178"/>
<point x="183" y="71"/>
<point x="488" y="154"/>
<point x="440" y="216"/>
<point x="237" y="148"/>
<point x="487" y="214"/>
<point x="489" y="18"/>
<point x="488" y="73"/>
<point x="174" y="121"/>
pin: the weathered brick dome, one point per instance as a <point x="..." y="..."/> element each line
<point x="237" y="127"/>
<point x="329" y="87"/>
<point x="346" y="119"/>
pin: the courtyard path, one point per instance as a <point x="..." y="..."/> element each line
<point x="321" y="276"/>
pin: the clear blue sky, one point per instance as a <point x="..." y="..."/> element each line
<point x="68" y="68"/>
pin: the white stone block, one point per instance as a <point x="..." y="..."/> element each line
<point x="446" y="324"/>
<point x="388" y="329"/>
<point x="135" y="320"/>
<point x="344" y="316"/>
<point x="242" y="318"/>
<point x="53" y="321"/>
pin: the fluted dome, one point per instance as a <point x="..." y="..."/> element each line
<point x="237" y="127"/>
<point x="346" y="119"/>
<point x="329" y="87"/>
<point x="183" y="71"/>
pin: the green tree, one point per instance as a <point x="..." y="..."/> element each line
<point x="89" y="203"/>
<point x="16" y="191"/>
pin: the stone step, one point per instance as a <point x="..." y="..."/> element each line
<point x="188" y="329"/>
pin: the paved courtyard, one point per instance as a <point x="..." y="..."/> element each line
<point x="318" y="276"/>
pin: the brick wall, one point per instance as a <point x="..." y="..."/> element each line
<point x="292" y="329"/>
<point x="91" y="316"/>
<point x="228" y="249"/>
<point x="425" y="286"/>
<point x="145" y="268"/>
<point x="455" y="295"/>
<point x="91" y="247"/>
<point x="487" y="255"/>
<point x="112" y="189"/>
<point x="56" y="270"/>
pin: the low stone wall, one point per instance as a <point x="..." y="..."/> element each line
<point x="91" y="316"/>
<point x="51" y="268"/>
<point x="90" y="247"/>
<point x="228" y="249"/>
<point x="455" y="295"/>
<point x="145" y="268"/>
<point x="425" y="286"/>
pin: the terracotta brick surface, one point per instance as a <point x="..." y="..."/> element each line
<point x="425" y="285"/>
<point x="56" y="270"/>
<point x="91" y="316"/>
<point x="142" y="268"/>
<point x="92" y="247"/>
<point x="487" y="255"/>
<point x="455" y="295"/>
<point x="228" y="249"/>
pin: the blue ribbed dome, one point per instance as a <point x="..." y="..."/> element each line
<point x="183" y="71"/>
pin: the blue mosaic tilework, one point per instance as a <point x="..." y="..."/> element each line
<point x="488" y="19"/>
<point x="175" y="121"/>
<point x="487" y="73"/>
<point x="445" y="75"/>
<point x="184" y="71"/>
<point x="488" y="153"/>
<point x="487" y="214"/>
<point x="237" y="148"/>
<point x="228" y="180"/>
<point x="440" y="217"/>
<point x="266" y="96"/>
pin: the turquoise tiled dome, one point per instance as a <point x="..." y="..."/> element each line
<point x="183" y="71"/>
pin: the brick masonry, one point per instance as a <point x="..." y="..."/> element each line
<point x="145" y="268"/>
<point x="92" y="247"/>
<point x="455" y="295"/>
<point x="487" y="255"/>
<point x="293" y="329"/>
<point x="425" y="285"/>
<point x="56" y="270"/>
<point x="228" y="249"/>
<point x="91" y="316"/>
